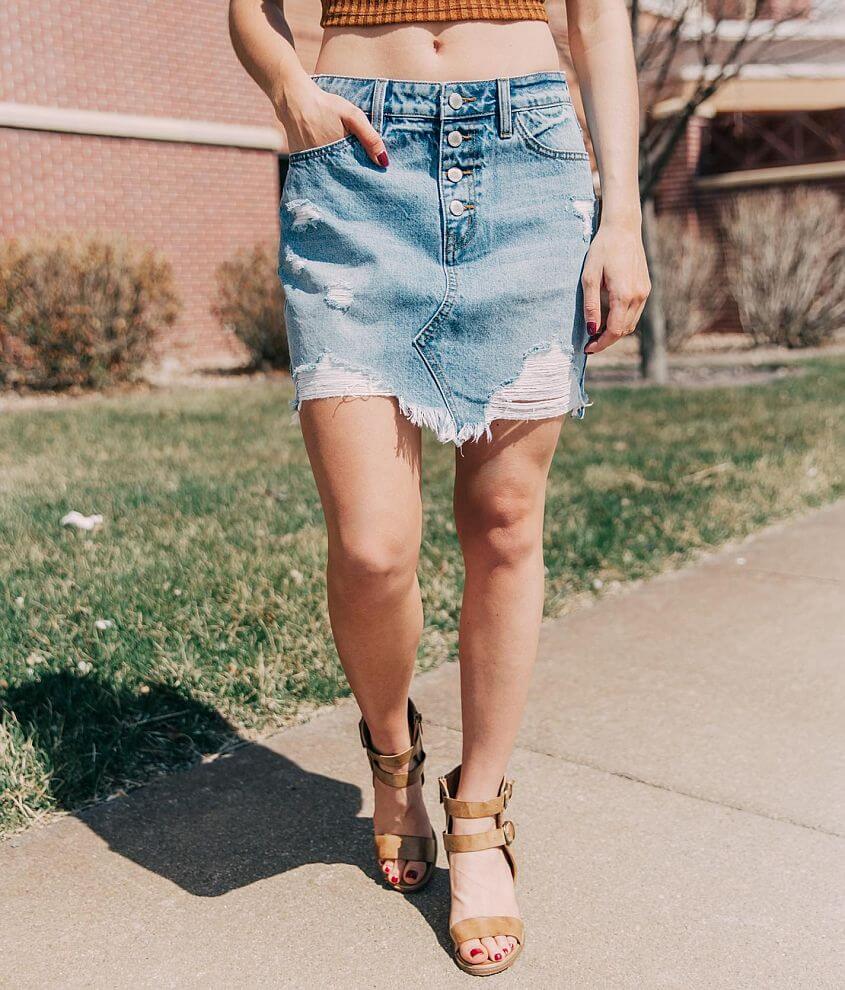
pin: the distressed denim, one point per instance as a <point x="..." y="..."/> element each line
<point x="451" y="279"/>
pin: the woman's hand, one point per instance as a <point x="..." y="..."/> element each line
<point x="311" y="117"/>
<point x="616" y="263"/>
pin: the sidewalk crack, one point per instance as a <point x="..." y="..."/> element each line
<point x="624" y="775"/>
<point x="788" y="574"/>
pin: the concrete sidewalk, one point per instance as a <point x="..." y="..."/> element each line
<point x="680" y="803"/>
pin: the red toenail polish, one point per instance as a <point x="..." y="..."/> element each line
<point x="498" y="956"/>
<point x="394" y="879"/>
<point x="411" y="874"/>
<point x="475" y="952"/>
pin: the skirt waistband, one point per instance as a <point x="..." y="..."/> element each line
<point x="451" y="100"/>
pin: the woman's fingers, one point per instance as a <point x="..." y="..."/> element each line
<point x="591" y="284"/>
<point x="622" y="315"/>
<point x="358" y="123"/>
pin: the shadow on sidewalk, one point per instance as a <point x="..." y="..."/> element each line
<point x="246" y="816"/>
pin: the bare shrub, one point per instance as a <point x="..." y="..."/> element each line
<point x="786" y="265"/>
<point x="687" y="264"/>
<point x="250" y="302"/>
<point x="80" y="311"/>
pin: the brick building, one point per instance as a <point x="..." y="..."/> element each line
<point x="779" y="123"/>
<point x="135" y="116"/>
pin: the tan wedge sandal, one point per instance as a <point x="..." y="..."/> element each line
<point x="408" y="847"/>
<point x="501" y="836"/>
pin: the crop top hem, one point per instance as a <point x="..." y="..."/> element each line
<point x="360" y="13"/>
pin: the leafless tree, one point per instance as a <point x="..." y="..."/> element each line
<point x="713" y="40"/>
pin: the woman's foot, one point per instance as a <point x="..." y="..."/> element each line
<point x="401" y="811"/>
<point x="482" y="886"/>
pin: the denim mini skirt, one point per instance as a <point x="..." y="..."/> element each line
<point x="451" y="279"/>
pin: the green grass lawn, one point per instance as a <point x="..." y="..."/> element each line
<point x="210" y="564"/>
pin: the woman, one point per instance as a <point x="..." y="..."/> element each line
<point x="443" y="267"/>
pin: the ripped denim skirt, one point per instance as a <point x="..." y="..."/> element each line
<point x="449" y="280"/>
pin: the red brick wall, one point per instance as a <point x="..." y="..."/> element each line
<point x="677" y="193"/>
<point x="195" y="203"/>
<point x="166" y="57"/>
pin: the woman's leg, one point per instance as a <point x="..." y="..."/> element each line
<point x="500" y="490"/>
<point x="366" y="461"/>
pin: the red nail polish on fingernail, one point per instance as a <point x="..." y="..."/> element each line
<point x="382" y="159"/>
<point x="411" y="874"/>
<point x="475" y="952"/>
<point x="592" y="328"/>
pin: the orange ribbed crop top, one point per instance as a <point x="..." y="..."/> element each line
<point x="360" y="13"/>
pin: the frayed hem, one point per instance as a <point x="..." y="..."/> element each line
<point x="507" y="403"/>
<point x="444" y="427"/>
<point x="441" y="423"/>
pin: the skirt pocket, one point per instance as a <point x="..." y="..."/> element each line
<point x="552" y="131"/>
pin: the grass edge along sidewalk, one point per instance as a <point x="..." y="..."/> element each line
<point x="195" y="615"/>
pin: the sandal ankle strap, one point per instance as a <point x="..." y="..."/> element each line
<point x="472" y="809"/>
<point x="475" y="809"/>
<point x="383" y="764"/>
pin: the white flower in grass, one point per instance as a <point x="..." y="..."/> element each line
<point x="103" y="624"/>
<point x="84" y="667"/>
<point x="79" y="521"/>
<point x="19" y="601"/>
<point x="598" y="584"/>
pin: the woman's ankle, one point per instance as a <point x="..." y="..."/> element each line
<point x="480" y="784"/>
<point x="390" y="735"/>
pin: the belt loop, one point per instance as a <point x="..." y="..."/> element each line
<point x="503" y="92"/>
<point x="377" y="110"/>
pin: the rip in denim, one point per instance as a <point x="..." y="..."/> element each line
<point x="303" y="213"/>
<point x="585" y="208"/>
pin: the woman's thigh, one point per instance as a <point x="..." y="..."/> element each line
<point x="366" y="459"/>
<point x="506" y="477"/>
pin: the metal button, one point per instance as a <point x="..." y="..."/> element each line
<point x="456" y="101"/>
<point x="456" y="208"/>
<point x="454" y="174"/>
<point x="455" y="138"/>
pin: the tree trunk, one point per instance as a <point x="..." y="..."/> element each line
<point x="653" y="364"/>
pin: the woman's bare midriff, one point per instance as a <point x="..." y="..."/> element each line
<point x="444" y="51"/>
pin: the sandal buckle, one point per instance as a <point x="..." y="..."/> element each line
<point x="507" y="792"/>
<point x="509" y="832"/>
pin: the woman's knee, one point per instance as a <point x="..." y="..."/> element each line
<point x="374" y="556"/>
<point x="505" y="526"/>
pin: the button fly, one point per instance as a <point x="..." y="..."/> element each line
<point x="456" y="101"/>
<point x="455" y="139"/>
<point x="456" y="208"/>
<point x="454" y="174"/>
